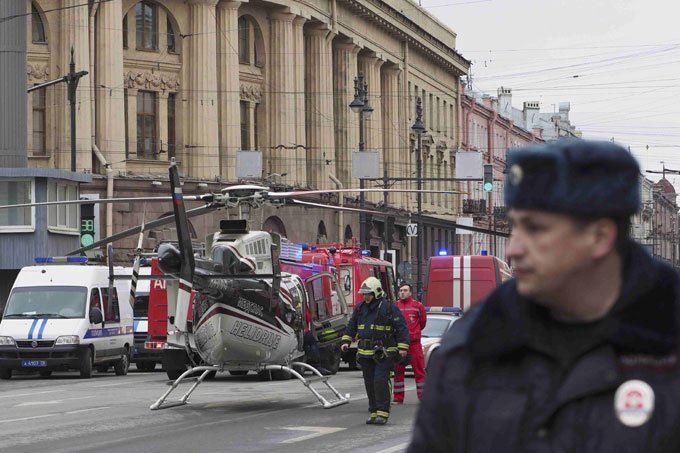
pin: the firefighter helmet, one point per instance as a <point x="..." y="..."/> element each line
<point x="372" y="286"/>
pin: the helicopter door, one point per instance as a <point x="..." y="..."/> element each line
<point x="327" y="306"/>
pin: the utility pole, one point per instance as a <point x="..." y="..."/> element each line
<point x="71" y="79"/>
<point x="418" y="127"/>
<point x="361" y="106"/>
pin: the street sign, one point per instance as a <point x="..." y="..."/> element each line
<point x="412" y="230"/>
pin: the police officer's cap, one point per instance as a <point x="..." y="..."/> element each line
<point x="575" y="177"/>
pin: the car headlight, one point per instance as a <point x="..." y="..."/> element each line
<point x="7" y="341"/>
<point x="68" y="339"/>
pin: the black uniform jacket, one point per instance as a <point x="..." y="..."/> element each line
<point x="494" y="388"/>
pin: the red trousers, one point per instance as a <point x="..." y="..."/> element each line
<point x="418" y="365"/>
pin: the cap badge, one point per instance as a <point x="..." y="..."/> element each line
<point x="516" y="174"/>
<point x="634" y="403"/>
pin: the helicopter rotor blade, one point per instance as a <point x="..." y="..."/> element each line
<point x="298" y="193"/>
<point x="186" y="273"/>
<point x="338" y="208"/>
<point x="206" y="198"/>
<point x="148" y="226"/>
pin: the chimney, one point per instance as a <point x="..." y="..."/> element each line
<point x="530" y="114"/>
<point x="564" y="110"/>
<point x="505" y="102"/>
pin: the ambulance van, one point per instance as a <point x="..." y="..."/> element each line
<point x="62" y="317"/>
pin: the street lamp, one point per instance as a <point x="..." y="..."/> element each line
<point x="361" y="106"/>
<point x="418" y="127"/>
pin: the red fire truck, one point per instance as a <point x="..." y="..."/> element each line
<point x="353" y="266"/>
<point x="461" y="281"/>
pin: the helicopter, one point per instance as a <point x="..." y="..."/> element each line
<point x="246" y="313"/>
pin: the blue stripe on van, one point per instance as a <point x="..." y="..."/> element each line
<point x="42" y="328"/>
<point x="30" y="332"/>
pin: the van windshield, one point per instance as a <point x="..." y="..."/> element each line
<point x="47" y="302"/>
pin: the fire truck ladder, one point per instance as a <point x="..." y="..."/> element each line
<point x="337" y="400"/>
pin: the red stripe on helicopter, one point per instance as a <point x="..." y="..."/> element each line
<point x="222" y="310"/>
<point x="184" y="286"/>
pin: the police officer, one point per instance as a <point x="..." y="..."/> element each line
<point x="579" y="352"/>
<point x="383" y="338"/>
<point x="416" y="319"/>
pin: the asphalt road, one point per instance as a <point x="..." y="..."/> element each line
<point x="111" y="413"/>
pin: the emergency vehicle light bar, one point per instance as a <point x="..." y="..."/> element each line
<point x="456" y="310"/>
<point x="60" y="259"/>
<point x="365" y="253"/>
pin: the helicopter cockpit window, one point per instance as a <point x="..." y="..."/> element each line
<point x="231" y="263"/>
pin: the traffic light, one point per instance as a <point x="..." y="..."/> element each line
<point x="86" y="224"/>
<point x="488" y="177"/>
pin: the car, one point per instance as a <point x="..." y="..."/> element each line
<point x="439" y="321"/>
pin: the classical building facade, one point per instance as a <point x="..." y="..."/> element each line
<point x="199" y="80"/>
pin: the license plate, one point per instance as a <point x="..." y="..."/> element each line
<point x="33" y="363"/>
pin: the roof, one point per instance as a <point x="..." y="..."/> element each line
<point x="666" y="187"/>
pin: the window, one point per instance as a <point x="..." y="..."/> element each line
<point x="172" y="98"/>
<point x="62" y="218"/>
<point x="170" y="33"/>
<point x="16" y="192"/>
<point x="243" y="40"/>
<point x="125" y="32"/>
<point x="146" y="23"/>
<point x="39" y="147"/>
<point x="111" y="310"/>
<point x="95" y="300"/>
<point x="146" y="125"/>
<point x="37" y="27"/>
<point x="255" y="129"/>
<point x="245" y="125"/>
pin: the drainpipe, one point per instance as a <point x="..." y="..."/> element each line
<point x="93" y="112"/>
<point x="341" y="197"/>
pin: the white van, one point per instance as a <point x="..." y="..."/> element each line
<point x="61" y="317"/>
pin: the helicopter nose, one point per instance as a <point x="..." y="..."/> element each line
<point x="169" y="259"/>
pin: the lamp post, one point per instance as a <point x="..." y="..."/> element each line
<point x="361" y="106"/>
<point x="418" y="127"/>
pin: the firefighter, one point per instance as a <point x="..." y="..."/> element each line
<point x="415" y="316"/>
<point x="383" y="338"/>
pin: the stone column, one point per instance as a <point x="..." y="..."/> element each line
<point x="320" y="124"/>
<point x="228" y="75"/>
<point x="251" y="124"/>
<point x="74" y="28"/>
<point x="346" y="121"/>
<point x="132" y="122"/>
<point x="370" y="64"/>
<point x="280" y="157"/>
<point x="299" y="100"/>
<point x="392" y="156"/>
<point x="110" y="85"/>
<point x="202" y="156"/>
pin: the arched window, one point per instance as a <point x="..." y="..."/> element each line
<point x="37" y="26"/>
<point x="146" y="24"/>
<point x="274" y="224"/>
<point x="348" y="234"/>
<point x="250" y="42"/>
<point x="321" y="235"/>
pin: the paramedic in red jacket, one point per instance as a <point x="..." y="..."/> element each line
<point x="414" y="313"/>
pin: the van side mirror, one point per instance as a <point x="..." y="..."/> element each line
<point x="96" y="316"/>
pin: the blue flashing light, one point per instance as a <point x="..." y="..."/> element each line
<point x="313" y="248"/>
<point x="443" y="252"/>
<point x="60" y="259"/>
<point x="455" y="310"/>
<point x="365" y="253"/>
<point x="483" y="253"/>
<point x="304" y="246"/>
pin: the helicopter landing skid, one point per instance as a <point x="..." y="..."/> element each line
<point x="183" y="400"/>
<point x="307" y="382"/>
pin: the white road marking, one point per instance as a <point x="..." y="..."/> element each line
<point x="396" y="448"/>
<point x="44" y="403"/>
<point x="316" y="432"/>
<point x="26" y="418"/>
<point x="88" y="410"/>
<point x="52" y="415"/>
<point x="29" y="394"/>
